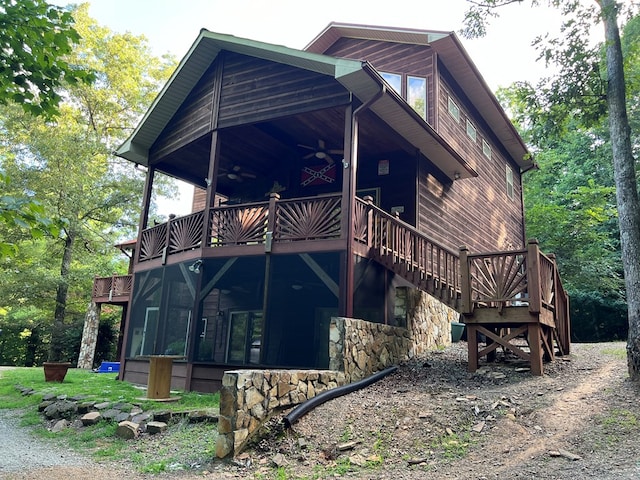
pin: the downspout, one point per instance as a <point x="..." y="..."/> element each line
<point x="352" y="164"/>
<point x="312" y="403"/>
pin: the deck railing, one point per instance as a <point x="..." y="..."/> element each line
<point x="115" y="287"/>
<point x="526" y="278"/>
<point x="311" y="218"/>
<point x="424" y="260"/>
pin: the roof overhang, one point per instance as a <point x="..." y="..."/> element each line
<point x="454" y="57"/>
<point x="357" y="77"/>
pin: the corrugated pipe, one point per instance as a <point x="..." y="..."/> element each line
<point x="312" y="403"/>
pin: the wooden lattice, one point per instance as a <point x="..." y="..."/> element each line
<point x="308" y="220"/>
<point x="153" y="242"/>
<point x="239" y="225"/>
<point x="186" y="232"/>
<point x="498" y="278"/>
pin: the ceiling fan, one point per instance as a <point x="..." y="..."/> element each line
<point x="236" y="173"/>
<point x="321" y="152"/>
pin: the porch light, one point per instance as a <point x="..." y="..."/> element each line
<point x="456" y="175"/>
<point x="195" y="268"/>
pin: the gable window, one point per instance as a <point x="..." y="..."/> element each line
<point x="486" y="149"/>
<point x="417" y="95"/>
<point x="509" y="173"/>
<point x="471" y="130"/>
<point x="393" y="79"/>
<point x="454" y="110"/>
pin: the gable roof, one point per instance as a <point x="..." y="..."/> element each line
<point x="356" y="76"/>
<point x="452" y="54"/>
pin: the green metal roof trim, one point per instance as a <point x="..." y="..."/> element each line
<point x="356" y="76"/>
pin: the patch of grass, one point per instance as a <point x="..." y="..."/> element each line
<point x="620" y="353"/>
<point x="453" y="446"/>
<point x="182" y="445"/>
<point x="92" y="386"/>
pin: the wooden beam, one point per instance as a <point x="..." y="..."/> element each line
<point x="212" y="283"/>
<point x="322" y="275"/>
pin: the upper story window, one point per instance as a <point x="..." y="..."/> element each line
<point x="486" y="149"/>
<point x="509" y="174"/>
<point x="454" y="110"/>
<point x="415" y="90"/>
<point x="393" y="79"/>
<point x="417" y="95"/>
<point x="471" y="131"/>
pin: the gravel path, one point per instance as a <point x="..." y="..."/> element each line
<point x="21" y="448"/>
<point x="25" y="456"/>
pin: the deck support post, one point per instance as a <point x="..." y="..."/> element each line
<point x="535" y="346"/>
<point x="472" y="347"/>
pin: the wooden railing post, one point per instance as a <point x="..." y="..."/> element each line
<point x="369" y="200"/>
<point x="271" y="221"/>
<point x="465" y="282"/>
<point x="533" y="276"/>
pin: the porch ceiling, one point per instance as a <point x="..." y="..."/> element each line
<point x="395" y="116"/>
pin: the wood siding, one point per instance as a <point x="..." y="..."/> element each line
<point x="191" y="121"/>
<point x="405" y="59"/>
<point x="255" y="90"/>
<point x="475" y="212"/>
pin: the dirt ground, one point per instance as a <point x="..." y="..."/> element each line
<point x="433" y="419"/>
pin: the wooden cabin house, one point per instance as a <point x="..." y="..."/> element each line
<point x="328" y="178"/>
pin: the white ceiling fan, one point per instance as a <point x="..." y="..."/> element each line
<point x="236" y="173"/>
<point x="321" y="152"/>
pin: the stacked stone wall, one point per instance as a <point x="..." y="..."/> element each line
<point x="248" y="397"/>
<point x="360" y="348"/>
<point x="357" y="349"/>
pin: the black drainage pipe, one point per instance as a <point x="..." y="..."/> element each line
<point x="312" y="403"/>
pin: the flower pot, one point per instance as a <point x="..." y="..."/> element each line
<point x="457" y="330"/>
<point x="55" y="371"/>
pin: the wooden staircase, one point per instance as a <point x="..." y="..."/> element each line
<point x="408" y="253"/>
<point x="504" y="296"/>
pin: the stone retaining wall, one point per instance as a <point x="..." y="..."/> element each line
<point x="360" y="348"/>
<point x="248" y="397"/>
<point x="357" y="349"/>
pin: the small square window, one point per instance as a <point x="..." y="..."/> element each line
<point x="509" y="173"/>
<point x="454" y="110"/>
<point x="471" y="130"/>
<point x="486" y="149"/>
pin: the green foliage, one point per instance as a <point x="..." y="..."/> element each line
<point x="595" y="318"/>
<point x="35" y="38"/>
<point x="66" y="164"/>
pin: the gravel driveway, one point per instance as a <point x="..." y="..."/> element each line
<point x="25" y="456"/>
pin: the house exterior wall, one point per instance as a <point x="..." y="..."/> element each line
<point x="476" y="212"/>
<point x="399" y="58"/>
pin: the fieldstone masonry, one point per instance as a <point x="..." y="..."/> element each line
<point x="249" y="396"/>
<point x="89" y="336"/>
<point x="357" y="349"/>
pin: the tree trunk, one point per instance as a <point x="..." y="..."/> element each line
<point x="56" y="346"/>
<point x="625" y="179"/>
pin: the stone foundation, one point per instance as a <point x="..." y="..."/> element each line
<point x="248" y="397"/>
<point x="357" y="349"/>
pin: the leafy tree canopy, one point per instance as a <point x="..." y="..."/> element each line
<point x="35" y="38"/>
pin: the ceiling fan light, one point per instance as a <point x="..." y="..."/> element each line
<point x="321" y="155"/>
<point x="232" y="176"/>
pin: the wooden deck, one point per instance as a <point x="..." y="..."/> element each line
<point x="510" y="296"/>
<point x="507" y="297"/>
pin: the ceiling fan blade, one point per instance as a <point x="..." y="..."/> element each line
<point x="335" y="150"/>
<point x="309" y="155"/>
<point x="247" y="175"/>
<point x="308" y="147"/>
